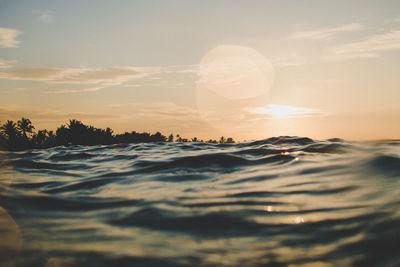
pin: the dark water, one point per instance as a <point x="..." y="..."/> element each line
<point x="275" y="202"/>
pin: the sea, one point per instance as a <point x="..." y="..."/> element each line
<point x="281" y="201"/>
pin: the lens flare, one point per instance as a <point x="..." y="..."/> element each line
<point x="233" y="79"/>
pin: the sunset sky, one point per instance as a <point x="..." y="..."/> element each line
<point x="246" y="69"/>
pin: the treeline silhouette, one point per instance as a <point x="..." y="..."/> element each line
<point x="21" y="135"/>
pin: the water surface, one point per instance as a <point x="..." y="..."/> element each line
<point x="275" y="202"/>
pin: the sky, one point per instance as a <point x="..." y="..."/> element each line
<point x="245" y="69"/>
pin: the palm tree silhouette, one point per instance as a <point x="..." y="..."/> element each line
<point x="230" y="140"/>
<point x="41" y="137"/>
<point x="21" y="135"/>
<point x="25" y="125"/>
<point x="171" y="138"/>
<point x="10" y="130"/>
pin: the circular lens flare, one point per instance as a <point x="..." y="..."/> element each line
<point x="232" y="81"/>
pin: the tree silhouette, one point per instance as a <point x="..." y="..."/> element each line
<point x="78" y="132"/>
<point x="158" y="137"/>
<point x="12" y="135"/>
<point x="25" y="125"/>
<point x="229" y="140"/>
<point x="40" y="137"/>
<point x="171" y="138"/>
<point x="20" y="136"/>
<point x="10" y="130"/>
<point x="62" y="135"/>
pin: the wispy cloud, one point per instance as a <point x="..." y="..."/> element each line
<point x="37" y="74"/>
<point x="290" y="60"/>
<point x="99" y="77"/>
<point x="5" y="64"/>
<point x="109" y="76"/>
<point x="72" y="91"/>
<point x="21" y="89"/>
<point x="371" y="47"/>
<point x="194" y="68"/>
<point x="63" y="91"/>
<point x="46" y="16"/>
<point x="325" y="33"/>
<point x="170" y="117"/>
<point x="71" y="75"/>
<point x="47" y="115"/>
<point x="166" y="110"/>
<point x="8" y="37"/>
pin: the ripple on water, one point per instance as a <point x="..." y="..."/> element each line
<point x="279" y="201"/>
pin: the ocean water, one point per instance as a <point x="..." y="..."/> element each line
<point x="284" y="201"/>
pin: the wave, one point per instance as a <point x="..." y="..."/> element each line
<point x="278" y="201"/>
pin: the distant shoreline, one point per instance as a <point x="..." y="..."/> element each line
<point x="21" y="135"/>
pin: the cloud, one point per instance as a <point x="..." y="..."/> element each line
<point x="8" y="37"/>
<point x="194" y="68"/>
<point x="5" y="64"/>
<point x="101" y="77"/>
<point x="15" y="112"/>
<point x="113" y="75"/>
<point x="326" y="33"/>
<point x="96" y="78"/>
<point x="371" y="47"/>
<point x="69" y="91"/>
<point x="37" y="74"/>
<point x="46" y="16"/>
<point x="163" y="114"/>
<point x="165" y="110"/>
<point x="93" y="89"/>
<point x="64" y="91"/>
<point x="170" y="117"/>
<point x="289" y="61"/>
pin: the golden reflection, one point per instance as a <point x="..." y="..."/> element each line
<point x="268" y="208"/>
<point x="299" y="220"/>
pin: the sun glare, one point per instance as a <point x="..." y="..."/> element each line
<point x="233" y="92"/>
<point x="281" y="111"/>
